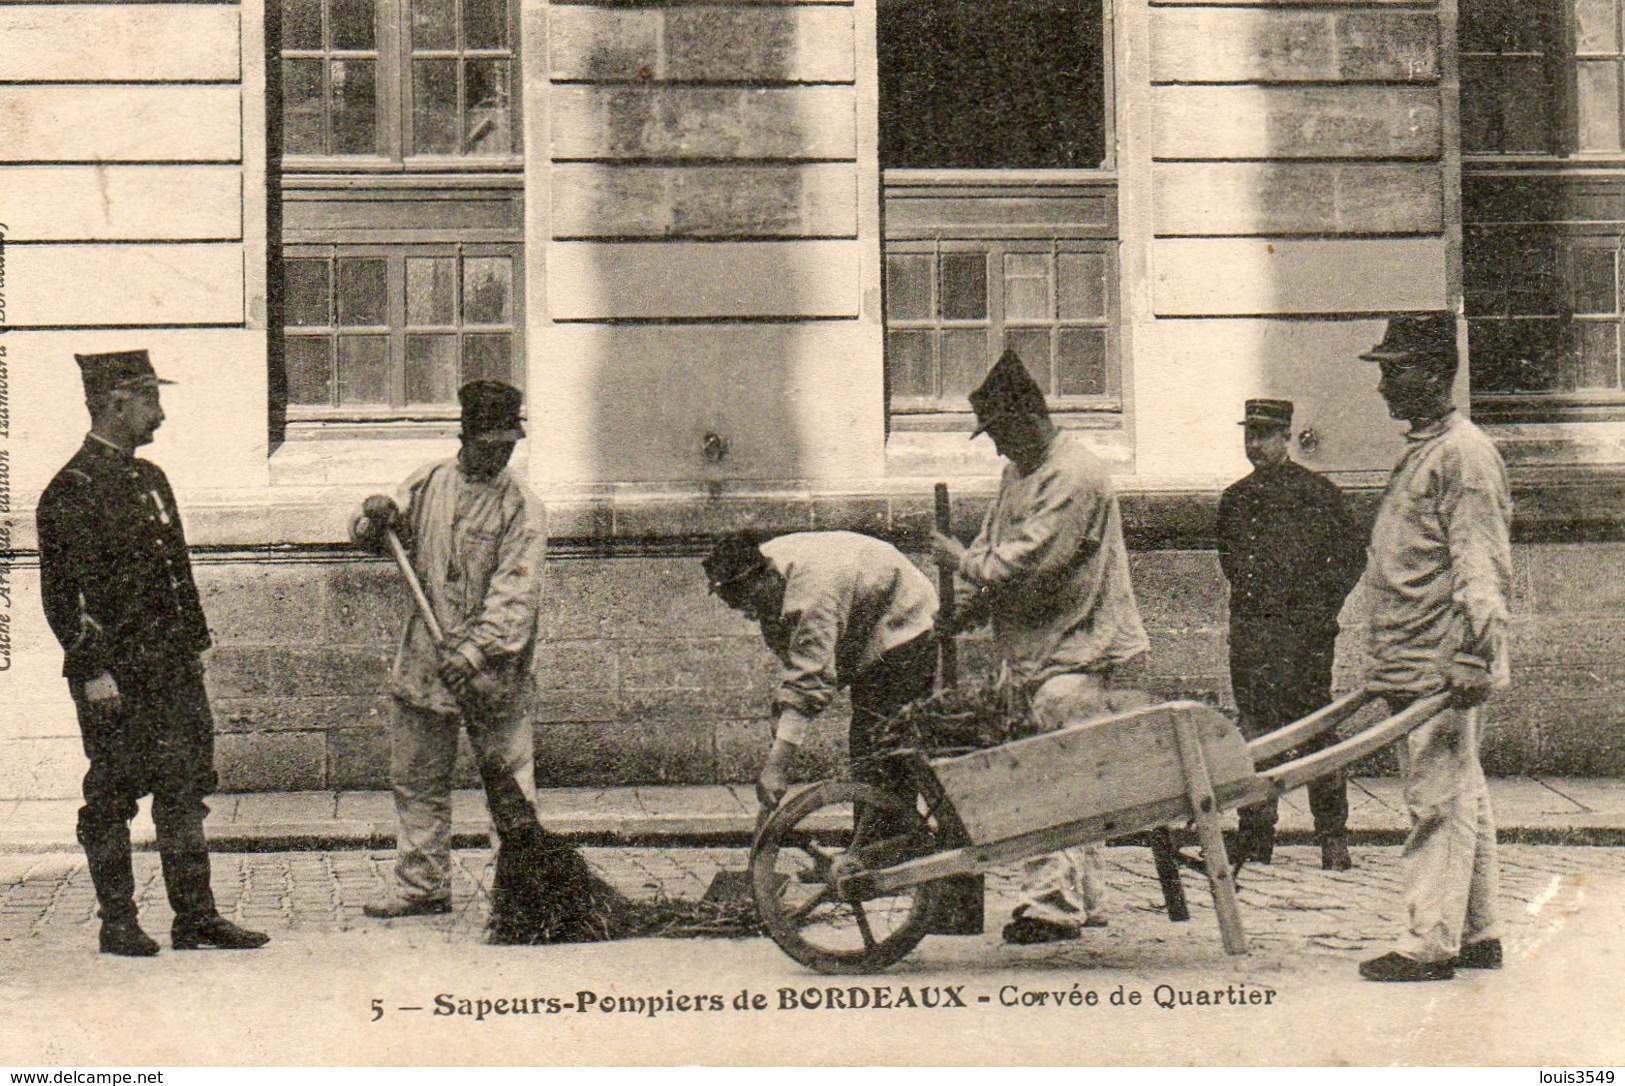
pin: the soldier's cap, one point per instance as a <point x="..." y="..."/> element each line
<point x="1270" y="413"/>
<point x="103" y="373"/>
<point x="1008" y="389"/>
<point x="491" y="410"/>
<point x="733" y="558"/>
<point x="1418" y="339"/>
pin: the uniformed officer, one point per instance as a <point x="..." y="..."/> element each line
<point x="1291" y="555"/>
<point x="118" y="592"/>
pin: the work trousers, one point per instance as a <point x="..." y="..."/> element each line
<point x="905" y="674"/>
<point x="161" y="742"/>
<point x="1280" y="675"/>
<point x="1451" y="870"/>
<point x="422" y="760"/>
<point x="1067" y="887"/>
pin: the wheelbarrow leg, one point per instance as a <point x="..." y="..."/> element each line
<point x="1204" y="809"/>
<point x="1173" y="889"/>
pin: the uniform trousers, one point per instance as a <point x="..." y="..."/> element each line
<point x="1280" y="675"/>
<point x="1069" y="886"/>
<point x="161" y="742"/>
<point x="422" y="761"/>
<point x="1451" y="869"/>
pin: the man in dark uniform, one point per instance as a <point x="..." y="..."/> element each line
<point x="118" y="592"/>
<point x="1291" y="555"/>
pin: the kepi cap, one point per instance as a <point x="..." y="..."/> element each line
<point x="1008" y="389"/>
<point x="1268" y="413"/>
<point x="734" y="557"/>
<point x="491" y="410"/>
<point x="103" y="373"/>
<point x="1417" y="337"/>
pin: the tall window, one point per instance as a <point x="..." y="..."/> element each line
<point x="398" y="79"/>
<point x="400" y="206"/>
<point x="999" y="202"/>
<point x="1543" y="204"/>
<point x="402" y="326"/>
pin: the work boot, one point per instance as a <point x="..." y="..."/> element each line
<point x="1485" y="954"/>
<point x="395" y="906"/>
<point x="1334" y="854"/>
<point x="125" y="937"/>
<point x="1394" y="966"/>
<point x="107" y="858"/>
<point x="213" y="930"/>
<point x="186" y="881"/>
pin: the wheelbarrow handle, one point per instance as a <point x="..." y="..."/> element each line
<point x="1295" y="734"/>
<point x="1300" y="771"/>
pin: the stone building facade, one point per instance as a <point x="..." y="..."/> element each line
<point x="746" y="257"/>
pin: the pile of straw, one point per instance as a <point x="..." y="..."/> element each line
<point x="972" y="716"/>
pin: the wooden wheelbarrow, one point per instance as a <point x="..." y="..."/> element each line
<point x="845" y="874"/>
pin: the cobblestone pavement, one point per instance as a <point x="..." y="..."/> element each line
<point x="1289" y="908"/>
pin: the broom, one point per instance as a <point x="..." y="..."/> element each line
<point x="543" y="890"/>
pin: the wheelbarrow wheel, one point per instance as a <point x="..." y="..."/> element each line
<point x="820" y="836"/>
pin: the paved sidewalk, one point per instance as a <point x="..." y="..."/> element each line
<point x="1546" y="810"/>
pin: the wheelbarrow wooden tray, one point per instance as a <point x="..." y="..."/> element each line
<point x="1135" y="770"/>
<point x="1116" y="774"/>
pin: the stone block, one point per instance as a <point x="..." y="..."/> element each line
<point x="1251" y="276"/>
<point x="358" y="758"/>
<point x="1179" y="589"/>
<point x="598" y="44"/>
<point x="656" y="519"/>
<point x="1579" y="735"/>
<point x="1508" y="749"/>
<point x="704" y="201"/>
<point x="683" y="279"/>
<point x="579" y="520"/>
<point x="708" y="664"/>
<point x="271" y="761"/>
<point x="236" y="672"/>
<point x="299" y="714"/>
<point x="581" y="664"/>
<point x="1199" y="46"/>
<point x="677" y="122"/>
<point x="1229" y="198"/>
<point x="1575" y="578"/>
<point x="573" y="755"/>
<point x="871" y="516"/>
<point x="760" y="44"/>
<point x="202" y="281"/>
<point x="685" y="705"/>
<point x="80" y="122"/>
<point x="1545" y="640"/>
<point x="1240" y="122"/>
<point x="560" y="707"/>
<point x="364" y="603"/>
<point x="124" y="203"/>
<point x="742" y="746"/>
<point x="251" y="603"/>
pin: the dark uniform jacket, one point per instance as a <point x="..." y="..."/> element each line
<point x="1288" y="549"/>
<point x="114" y="572"/>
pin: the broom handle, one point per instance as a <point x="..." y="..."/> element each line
<point x="947" y="647"/>
<point x="425" y="611"/>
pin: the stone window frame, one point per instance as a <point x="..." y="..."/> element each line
<point x="1537" y="212"/>
<point x="998" y="210"/>
<point x="398" y="328"/>
<point x="390" y="203"/>
<point x="395" y="61"/>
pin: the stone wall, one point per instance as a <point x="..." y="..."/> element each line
<point x="643" y="678"/>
